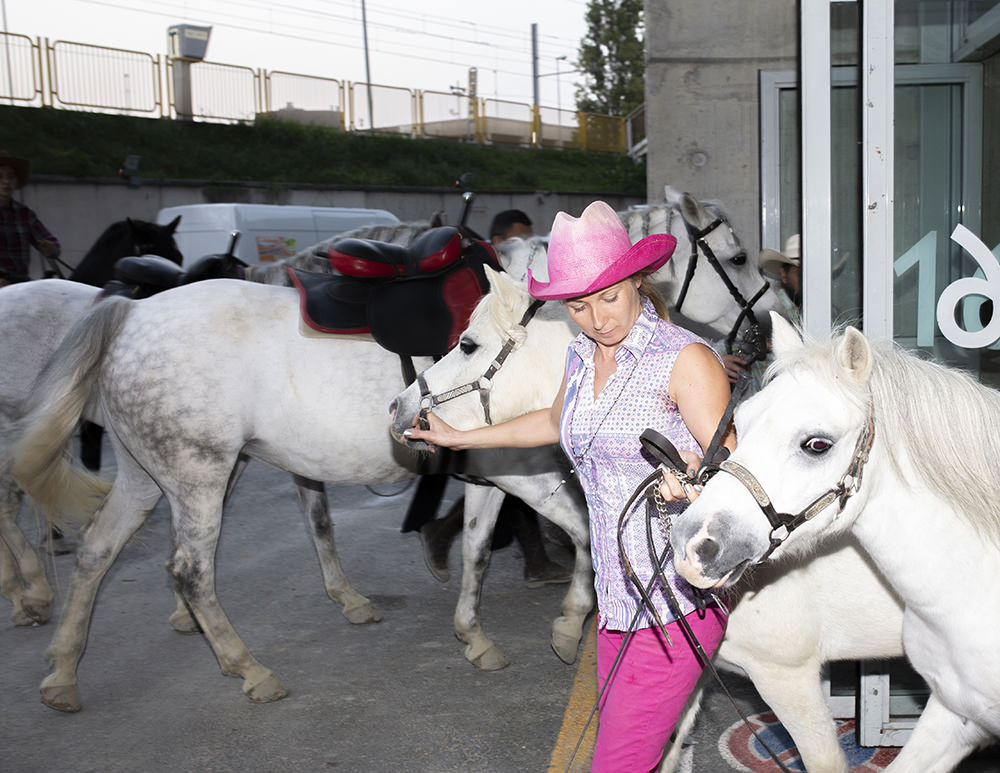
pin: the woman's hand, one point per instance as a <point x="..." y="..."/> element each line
<point x="734" y="365"/>
<point x="671" y="488"/>
<point x="440" y="433"/>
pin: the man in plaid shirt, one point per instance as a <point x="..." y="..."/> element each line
<point x="20" y="227"/>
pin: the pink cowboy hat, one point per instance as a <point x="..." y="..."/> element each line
<point x="593" y="251"/>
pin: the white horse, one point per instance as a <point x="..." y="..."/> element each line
<point x="850" y="437"/>
<point x="787" y="620"/>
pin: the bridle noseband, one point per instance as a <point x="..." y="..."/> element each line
<point x="757" y="347"/>
<point x="483" y="384"/>
<point x="783" y="524"/>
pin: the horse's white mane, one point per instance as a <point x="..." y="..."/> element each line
<point x="928" y="418"/>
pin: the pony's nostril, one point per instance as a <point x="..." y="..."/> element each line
<point x="707" y="551"/>
<point x="393" y="406"/>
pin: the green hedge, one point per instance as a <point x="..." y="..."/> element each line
<point x="65" y="142"/>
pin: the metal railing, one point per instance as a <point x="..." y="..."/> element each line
<point x="81" y="76"/>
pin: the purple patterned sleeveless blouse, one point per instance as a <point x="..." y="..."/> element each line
<point x="601" y="438"/>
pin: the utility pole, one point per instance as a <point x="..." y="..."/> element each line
<point x="368" y="71"/>
<point x="534" y="61"/>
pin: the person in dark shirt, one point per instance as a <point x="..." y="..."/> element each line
<point x="20" y="228"/>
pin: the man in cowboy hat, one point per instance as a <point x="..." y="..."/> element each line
<point x="20" y="227"/>
<point x="787" y="266"/>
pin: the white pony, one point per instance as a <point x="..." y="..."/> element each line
<point x="869" y="440"/>
<point x="787" y="620"/>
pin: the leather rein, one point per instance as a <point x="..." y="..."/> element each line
<point x="429" y="401"/>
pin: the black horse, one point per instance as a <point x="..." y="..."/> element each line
<point x="126" y="238"/>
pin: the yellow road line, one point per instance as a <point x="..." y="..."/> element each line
<point x="582" y="698"/>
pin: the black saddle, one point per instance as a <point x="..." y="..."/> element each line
<point x="413" y="300"/>
<point x="146" y="275"/>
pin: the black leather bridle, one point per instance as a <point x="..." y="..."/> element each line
<point x="783" y="524"/>
<point x="754" y="338"/>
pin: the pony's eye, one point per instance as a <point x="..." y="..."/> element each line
<point x="467" y="345"/>
<point x="738" y="259"/>
<point x="817" y="445"/>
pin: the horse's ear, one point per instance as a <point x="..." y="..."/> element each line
<point x="508" y="293"/>
<point x="691" y="209"/>
<point x="671" y="195"/>
<point x="172" y="225"/>
<point x="494" y="277"/>
<point x="854" y="354"/>
<point x="784" y="337"/>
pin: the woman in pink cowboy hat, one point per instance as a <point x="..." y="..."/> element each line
<point x="629" y="369"/>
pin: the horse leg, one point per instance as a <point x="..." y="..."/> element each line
<point x="126" y="508"/>
<point x="940" y="740"/>
<point x="482" y="504"/>
<point x="181" y="619"/>
<point x="794" y="692"/>
<point x="192" y="566"/>
<point x="563" y="507"/>
<point x="356" y="608"/>
<point x="22" y="575"/>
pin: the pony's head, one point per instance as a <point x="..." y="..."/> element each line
<point x="528" y="379"/>
<point x="799" y="440"/>
<point x="701" y="300"/>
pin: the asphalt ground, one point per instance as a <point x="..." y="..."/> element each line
<point x="396" y="695"/>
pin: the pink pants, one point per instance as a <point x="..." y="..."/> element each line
<point x="648" y="689"/>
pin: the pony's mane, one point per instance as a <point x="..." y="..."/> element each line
<point x="927" y="417"/>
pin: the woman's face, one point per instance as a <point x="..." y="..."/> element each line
<point x="607" y="316"/>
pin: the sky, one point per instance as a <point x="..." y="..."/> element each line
<point x="424" y="44"/>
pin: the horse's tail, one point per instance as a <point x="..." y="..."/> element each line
<point x="40" y="458"/>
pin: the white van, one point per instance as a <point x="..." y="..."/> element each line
<point x="268" y="232"/>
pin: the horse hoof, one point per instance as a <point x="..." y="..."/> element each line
<point x="362" y="614"/>
<point x="566" y="635"/>
<point x="267" y="690"/>
<point x="63" y="697"/>
<point x="32" y="614"/>
<point x="184" y="622"/>
<point x="490" y="659"/>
